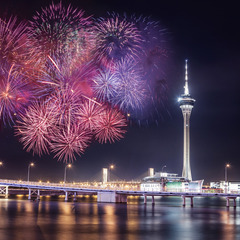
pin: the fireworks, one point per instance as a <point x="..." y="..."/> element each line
<point x="116" y="38"/>
<point x="132" y="93"/>
<point x="13" y="41"/>
<point x="57" y="30"/>
<point x="111" y="126"/>
<point x="105" y="85"/>
<point x="68" y="142"/>
<point x="14" y="94"/>
<point x="35" y="128"/>
<point x="69" y="79"/>
<point x="89" y="114"/>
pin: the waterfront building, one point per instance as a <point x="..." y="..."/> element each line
<point x="163" y="181"/>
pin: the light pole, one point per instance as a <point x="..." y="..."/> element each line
<point x="65" y="171"/>
<point x="29" y="166"/>
<point x="226" y="178"/>
<point x="162" y="177"/>
<point x="111" y="167"/>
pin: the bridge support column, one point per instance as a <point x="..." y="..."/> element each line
<point x="191" y="201"/>
<point x="184" y="200"/>
<point x="228" y="201"/>
<point x="75" y="197"/>
<point x="112" y="197"/>
<point x="145" y="199"/>
<point x="4" y="191"/>
<point x="66" y="196"/>
<point x="29" y="194"/>
<point x="153" y="202"/>
<point x="38" y="194"/>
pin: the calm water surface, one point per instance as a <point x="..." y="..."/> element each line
<point x="49" y="219"/>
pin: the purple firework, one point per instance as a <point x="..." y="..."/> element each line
<point x="132" y="88"/>
<point x="116" y="38"/>
<point x="66" y="75"/>
<point x="105" y="85"/>
<point x="15" y="94"/>
<point x="155" y="49"/>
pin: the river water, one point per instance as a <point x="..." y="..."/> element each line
<point x="54" y="219"/>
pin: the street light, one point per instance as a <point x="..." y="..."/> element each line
<point x="65" y="171"/>
<point x="29" y="166"/>
<point x="163" y="167"/>
<point x="226" y="185"/>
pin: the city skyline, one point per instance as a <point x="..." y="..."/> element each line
<point x="204" y="33"/>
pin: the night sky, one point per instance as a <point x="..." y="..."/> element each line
<point x="205" y="32"/>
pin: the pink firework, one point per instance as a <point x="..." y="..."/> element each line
<point x="13" y="41"/>
<point x="66" y="102"/>
<point x="89" y="114"/>
<point x="66" y="143"/>
<point x="111" y="126"/>
<point x="35" y="128"/>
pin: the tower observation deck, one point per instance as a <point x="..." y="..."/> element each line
<point x="186" y="103"/>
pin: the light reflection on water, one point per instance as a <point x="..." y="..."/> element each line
<point x="167" y="219"/>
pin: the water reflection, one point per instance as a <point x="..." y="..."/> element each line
<point x="167" y="219"/>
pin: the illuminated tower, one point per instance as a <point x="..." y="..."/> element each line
<point x="186" y="103"/>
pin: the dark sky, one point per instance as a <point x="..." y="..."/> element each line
<point x="205" y="32"/>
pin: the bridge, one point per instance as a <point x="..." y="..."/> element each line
<point x="104" y="193"/>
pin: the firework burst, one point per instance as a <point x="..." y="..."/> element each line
<point x="105" y="85"/>
<point x="13" y="42"/>
<point x="83" y="76"/>
<point x="66" y="143"/>
<point x="132" y="89"/>
<point x="15" y="94"/>
<point x="111" y="126"/>
<point x="57" y="30"/>
<point x="89" y="114"/>
<point x="35" y="128"/>
<point x="116" y="38"/>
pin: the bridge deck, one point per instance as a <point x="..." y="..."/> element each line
<point x="79" y="188"/>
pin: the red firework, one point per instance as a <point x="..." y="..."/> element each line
<point x="111" y="126"/>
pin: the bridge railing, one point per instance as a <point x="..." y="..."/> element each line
<point x="85" y="185"/>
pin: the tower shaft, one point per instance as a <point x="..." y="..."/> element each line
<point x="186" y="111"/>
